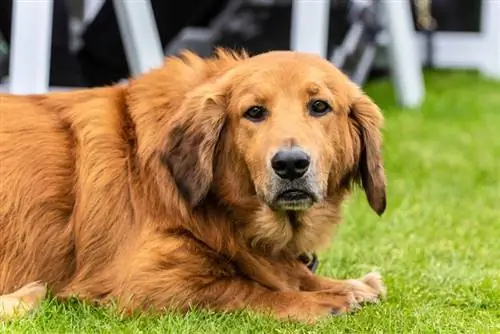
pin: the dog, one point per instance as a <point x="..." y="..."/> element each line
<point x="199" y="184"/>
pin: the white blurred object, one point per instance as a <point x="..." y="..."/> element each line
<point x="405" y="65"/>
<point x="30" y="46"/>
<point x="90" y="9"/>
<point x="309" y="26"/>
<point x="490" y="26"/>
<point x="139" y="35"/>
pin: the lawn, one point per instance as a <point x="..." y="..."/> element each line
<point x="438" y="244"/>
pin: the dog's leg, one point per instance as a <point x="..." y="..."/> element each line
<point x="307" y="306"/>
<point x="367" y="289"/>
<point x="165" y="292"/>
<point x="22" y="301"/>
<point x="174" y="274"/>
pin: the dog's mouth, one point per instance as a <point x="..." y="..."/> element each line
<point x="294" y="200"/>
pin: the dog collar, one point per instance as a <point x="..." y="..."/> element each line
<point x="311" y="261"/>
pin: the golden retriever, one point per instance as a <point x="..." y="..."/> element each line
<point x="199" y="184"/>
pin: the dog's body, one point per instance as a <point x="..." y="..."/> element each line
<point x="161" y="193"/>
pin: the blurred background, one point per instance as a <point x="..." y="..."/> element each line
<point x="64" y="44"/>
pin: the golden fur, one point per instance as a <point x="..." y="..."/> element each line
<point x="156" y="193"/>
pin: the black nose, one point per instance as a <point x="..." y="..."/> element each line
<point x="290" y="164"/>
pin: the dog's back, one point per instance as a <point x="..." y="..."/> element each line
<point x="35" y="201"/>
<point x="42" y="138"/>
<point x="36" y="169"/>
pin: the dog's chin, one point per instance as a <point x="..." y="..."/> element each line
<point x="293" y="200"/>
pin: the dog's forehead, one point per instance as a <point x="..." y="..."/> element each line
<point x="281" y="69"/>
<point x="289" y="63"/>
<point x="288" y="56"/>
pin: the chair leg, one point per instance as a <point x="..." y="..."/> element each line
<point x="491" y="32"/>
<point x="139" y="35"/>
<point x="30" y="47"/>
<point x="406" y="65"/>
<point x="309" y="28"/>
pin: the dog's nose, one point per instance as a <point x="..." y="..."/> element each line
<point x="290" y="164"/>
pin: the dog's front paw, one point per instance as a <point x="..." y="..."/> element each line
<point x="368" y="289"/>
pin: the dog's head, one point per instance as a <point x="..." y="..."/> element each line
<point x="288" y="129"/>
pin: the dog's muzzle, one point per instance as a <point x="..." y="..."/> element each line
<point x="292" y="187"/>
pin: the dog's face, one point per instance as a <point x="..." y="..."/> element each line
<point x="289" y="125"/>
<point x="286" y="129"/>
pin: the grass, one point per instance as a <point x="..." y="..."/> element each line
<point x="438" y="245"/>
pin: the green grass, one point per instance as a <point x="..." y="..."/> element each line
<point x="438" y="245"/>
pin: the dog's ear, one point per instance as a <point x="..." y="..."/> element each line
<point x="191" y="142"/>
<point x="368" y="120"/>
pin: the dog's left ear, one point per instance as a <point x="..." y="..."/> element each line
<point x="369" y="120"/>
<point x="191" y="142"/>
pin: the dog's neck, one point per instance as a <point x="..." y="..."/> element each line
<point x="273" y="233"/>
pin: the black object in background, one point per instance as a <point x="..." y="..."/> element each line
<point x="264" y="28"/>
<point x="102" y="56"/>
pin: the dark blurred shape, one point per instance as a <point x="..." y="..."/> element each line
<point x="261" y="28"/>
<point x="103" y="57"/>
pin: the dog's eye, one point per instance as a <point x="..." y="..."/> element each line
<point x="256" y="114"/>
<point x="319" y="108"/>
